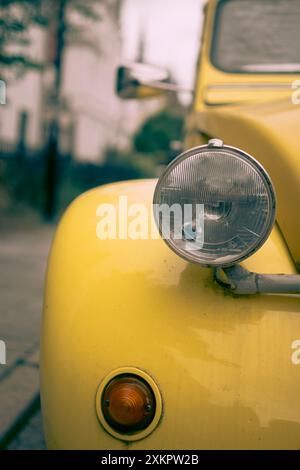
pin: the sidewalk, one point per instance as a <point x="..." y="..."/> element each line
<point x="24" y="247"/>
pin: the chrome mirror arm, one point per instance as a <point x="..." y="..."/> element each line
<point x="167" y="86"/>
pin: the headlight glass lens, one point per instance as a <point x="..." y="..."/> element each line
<point x="221" y="205"/>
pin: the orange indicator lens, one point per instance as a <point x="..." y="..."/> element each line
<point x="128" y="404"/>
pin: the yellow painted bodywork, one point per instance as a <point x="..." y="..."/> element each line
<point x="222" y="362"/>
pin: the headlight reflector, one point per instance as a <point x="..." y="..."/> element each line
<point x="221" y="205"/>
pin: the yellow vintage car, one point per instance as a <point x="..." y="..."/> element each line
<point x="190" y="339"/>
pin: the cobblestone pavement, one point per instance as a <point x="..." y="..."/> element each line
<point x="24" y="247"/>
<point x="31" y="436"/>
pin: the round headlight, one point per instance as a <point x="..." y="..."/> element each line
<point x="214" y="205"/>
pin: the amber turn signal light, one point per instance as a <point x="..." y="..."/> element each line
<point x="128" y="403"/>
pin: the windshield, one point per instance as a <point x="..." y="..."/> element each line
<point x="257" y="36"/>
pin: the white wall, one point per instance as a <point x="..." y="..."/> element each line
<point x="101" y="118"/>
<point x="24" y="95"/>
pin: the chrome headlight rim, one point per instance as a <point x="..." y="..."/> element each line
<point x="217" y="145"/>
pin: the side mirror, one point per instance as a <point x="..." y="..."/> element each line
<point x="143" y="81"/>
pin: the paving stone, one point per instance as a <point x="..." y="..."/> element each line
<point x="31" y="437"/>
<point x="33" y="358"/>
<point x="16" y="394"/>
<point x="24" y="248"/>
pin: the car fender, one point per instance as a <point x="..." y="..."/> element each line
<point x="222" y="362"/>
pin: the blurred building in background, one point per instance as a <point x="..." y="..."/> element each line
<point x="63" y="129"/>
<point x="92" y="117"/>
